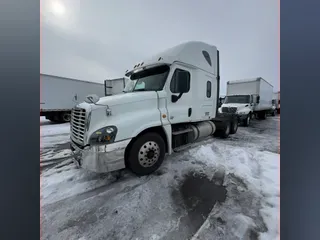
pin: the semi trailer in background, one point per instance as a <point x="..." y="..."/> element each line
<point x="170" y="102"/>
<point x="248" y="98"/>
<point x="276" y="101"/>
<point x="58" y="95"/>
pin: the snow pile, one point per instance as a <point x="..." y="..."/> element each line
<point x="253" y="174"/>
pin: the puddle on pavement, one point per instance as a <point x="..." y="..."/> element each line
<point x="197" y="195"/>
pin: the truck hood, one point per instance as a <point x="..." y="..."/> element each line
<point x="236" y="105"/>
<point x="124" y="98"/>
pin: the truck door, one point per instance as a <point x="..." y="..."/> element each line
<point x="179" y="103"/>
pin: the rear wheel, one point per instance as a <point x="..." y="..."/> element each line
<point x="54" y="119"/>
<point x="263" y="115"/>
<point x="223" y="132"/>
<point x="146" y="154"/>
<point x="65" y="117"/>
<point x="234" y="127"/>
<point x="274" y="113"/>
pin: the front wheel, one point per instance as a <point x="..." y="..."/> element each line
<point x="247" y="120"/>
<point x="146" y="154"/>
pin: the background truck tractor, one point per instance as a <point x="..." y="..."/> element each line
<point x="170" y="102"/>
<point x="248" y="98"/>
<point x="276" y="101"/>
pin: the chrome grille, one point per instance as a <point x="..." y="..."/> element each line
<point x="78" y="124"/>
<point x="229" y="109"/>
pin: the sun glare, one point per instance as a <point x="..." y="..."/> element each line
<point x="58" y="8"/>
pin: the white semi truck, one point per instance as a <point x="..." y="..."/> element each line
<point x="248" y="98"/>
<point x="170" y="102"/>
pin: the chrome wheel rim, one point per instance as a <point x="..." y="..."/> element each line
<point x="149" y="154"/>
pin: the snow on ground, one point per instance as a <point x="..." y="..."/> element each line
<point x="51" y="137"/>
<point x="179" y="201"/>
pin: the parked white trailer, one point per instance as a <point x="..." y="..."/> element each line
<point x="114" y="86"/>
<point x="170" y="103"/>
<point x="249" y="97"/>
<point x="59" y="95"/>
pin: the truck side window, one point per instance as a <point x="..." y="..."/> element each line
<point x="207" y="57"/>
<point x="180" y="82"/>
<point x="209" y="89"/>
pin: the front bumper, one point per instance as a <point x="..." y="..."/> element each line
<point x="100" y="159"/>
<point x="242" y="117"/>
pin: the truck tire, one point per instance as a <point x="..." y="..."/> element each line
<point x="223" y="133"/>
<point x="65" y="117"/>
<point x="234" y="127"/>
<point x="274" y="113"/>
<point x="263" y="115"/>
<point x="247" y="120"/>
<point x="53" y="119"/>
<point x="146" y="154"/>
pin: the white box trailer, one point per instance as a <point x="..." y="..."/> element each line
<point x="249" y="97"/>
<point x="59" y="95"/>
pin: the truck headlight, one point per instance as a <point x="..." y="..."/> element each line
<point x="241" y="113"/>
<point x="104" y="135"/>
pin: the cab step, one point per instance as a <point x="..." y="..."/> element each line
<point x="181" y="148"/>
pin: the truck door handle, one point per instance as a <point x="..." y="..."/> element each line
<point x="189" y="112"/>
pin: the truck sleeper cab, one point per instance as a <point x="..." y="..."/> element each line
<point x="170" y="103"/>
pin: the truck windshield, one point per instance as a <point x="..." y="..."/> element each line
<point x="129" y="86"/>
<point x="237" y="99"/>
<point x="152" y="79"/>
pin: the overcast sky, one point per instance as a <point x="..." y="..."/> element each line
<point x="99" y="39"/>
